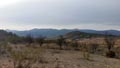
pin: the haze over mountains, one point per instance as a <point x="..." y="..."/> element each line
<point x="55" y="32"/>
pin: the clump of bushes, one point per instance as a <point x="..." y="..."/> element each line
<point x="93" y="47"/>
<point x="26" y="58"/>
<point x="111" y="54"/>
<point x="110" y="42"/>
<point x="86" y="53"/>
<point x="29" y="39"/>
<point x="75" y="45"/>
<point x="3" y="50"/>
<point x="40" y="40"/>
<point x="61" y="41"/>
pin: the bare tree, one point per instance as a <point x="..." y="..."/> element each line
<point x="110" y="41"/>
<point x="29" y="39"/>
<point x="60" y="41"/>
<point x="93" y="47"/>
<point x="75" y="45"/>
<point x="40" y="40"/>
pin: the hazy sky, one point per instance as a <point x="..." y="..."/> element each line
<point x="81" y="14"/>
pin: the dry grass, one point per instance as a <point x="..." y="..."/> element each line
<point x="50" y="56"/>
<point x="55" y="58"/>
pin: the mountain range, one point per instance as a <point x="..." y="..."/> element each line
<point x="55" y="32"/>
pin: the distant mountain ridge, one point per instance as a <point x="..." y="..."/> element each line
<point x="56" y="32"/>
<point x="110" y="32"/>
<point x="41" y="32"/>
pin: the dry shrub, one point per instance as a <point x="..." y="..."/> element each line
<point x="26" y="57"/>
<point x="117" y="50"/>
<point x="75" y="45"/>
<point x="86" y="53"/>
<point x="111" y="54"/>
<point x="60" y="41"/>
<point x="93" y="47"/>
<point x="110" y="42"/>
<point x="40" y="40"/>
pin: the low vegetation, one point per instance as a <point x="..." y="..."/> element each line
<point x="31" y="52"/>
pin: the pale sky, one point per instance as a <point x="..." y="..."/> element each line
<point x="60" y="14"/>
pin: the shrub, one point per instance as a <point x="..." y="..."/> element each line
<point x="75" y="45"/>
<point x="86" y="53"/>
<point x="3" y="48"/>
<point x="111" y="54"/>
<point x="40" y="40"/>
<point x="93" y="47"/>
<point x="29" y="39"/>
<point x="110" y="41"/>
<point x="25" y="58"/>
<point x="60" y="41"/>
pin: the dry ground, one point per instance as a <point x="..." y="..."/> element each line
<point x="54" y="58"/>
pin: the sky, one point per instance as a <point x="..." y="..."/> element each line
<point x="60" y="14"/>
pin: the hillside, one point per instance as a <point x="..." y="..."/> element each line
<point x="110" y="32"/>
<point x="55" y="32"/>
<point x="5" y="35"/>
<point x="78" y="35"/>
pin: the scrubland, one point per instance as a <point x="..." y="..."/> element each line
<point x="85" y="53"/>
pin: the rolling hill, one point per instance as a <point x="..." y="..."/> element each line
<point x="55" y="32"/>
<point x="79" y="35"/>
<point x="5" y="35"/>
